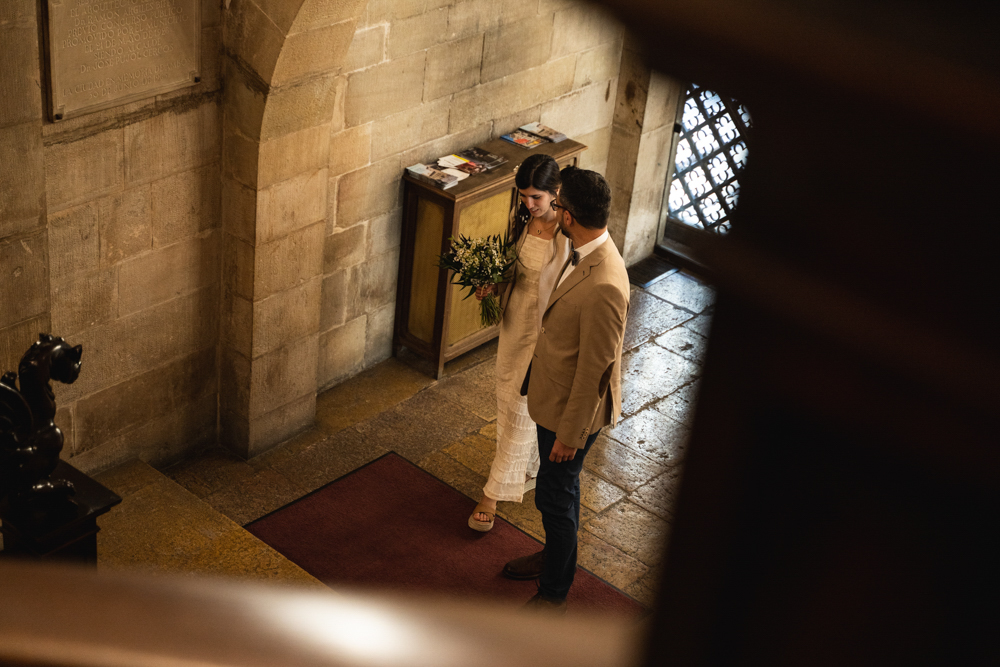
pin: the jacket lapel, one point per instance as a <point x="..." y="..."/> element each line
<point x="582" y="272"/>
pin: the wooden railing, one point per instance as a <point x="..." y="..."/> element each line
<point x="74" y="617"/>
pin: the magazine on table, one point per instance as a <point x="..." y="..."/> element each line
<point x="545" y="132"/>
<point x="524" y="139"/>
<point x="434" y="175"/>
<point x="483" y="157"/>
<point x="460" y="164"/>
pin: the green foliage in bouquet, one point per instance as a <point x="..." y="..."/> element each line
<point x="480" y="262"/>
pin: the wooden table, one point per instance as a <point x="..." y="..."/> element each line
<point x="432" y="319"/>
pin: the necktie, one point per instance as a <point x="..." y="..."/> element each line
<point x="575" y="259"/>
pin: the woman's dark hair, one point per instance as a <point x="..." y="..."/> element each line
<point x="540" y="172"/>
<point x="537" y="171"/>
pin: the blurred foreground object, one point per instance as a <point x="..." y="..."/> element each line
<point x="841" y="495"/>
<point x="145" y="621"/>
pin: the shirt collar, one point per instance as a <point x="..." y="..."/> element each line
<point x="590" y="247"/>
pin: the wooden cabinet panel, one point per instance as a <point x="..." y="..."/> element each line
<point x="433" y="318"/>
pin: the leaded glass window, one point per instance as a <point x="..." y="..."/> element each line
<point x="711" y="152"/>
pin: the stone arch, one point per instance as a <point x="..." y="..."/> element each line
<point x="282" y="58"/>
<point x="309" y="286"/>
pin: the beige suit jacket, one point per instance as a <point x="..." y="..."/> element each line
<point x="574" y="380"/>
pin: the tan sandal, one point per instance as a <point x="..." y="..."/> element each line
<point x="482" y="526"/>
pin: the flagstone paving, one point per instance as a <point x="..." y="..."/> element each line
<point x="448" y="427"/>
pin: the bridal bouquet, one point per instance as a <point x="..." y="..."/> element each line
<point x="480" y="262"/>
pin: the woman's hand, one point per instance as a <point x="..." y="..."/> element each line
<point x="485" y="290"/>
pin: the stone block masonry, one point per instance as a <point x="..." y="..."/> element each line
<point x="21" y="180"/>
<point x="24" y="284"/>
<point x="83" y="170"/>
<point x="415" y="92"/>
<point x="74" y="241"/>
<point x="134" y="224"/>
<point x="385" y="89"/>
<point x="287" y="156"/>
<point x="25" y="302"/>
<point x="254" y="227"/>
<point x="180" y="142"/>
<point x="453" y="67"/>
<point x="289" y="261"/>
<point x="83" y="301"/>
<point x="517" y="46"/>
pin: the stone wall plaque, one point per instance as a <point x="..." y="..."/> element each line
<point x="103" y="53"/>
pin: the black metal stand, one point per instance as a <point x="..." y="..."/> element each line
<point x="72" y="535"/>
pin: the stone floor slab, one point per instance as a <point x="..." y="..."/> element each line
<point x="680" y="405"/>
<point x="367" y="394"/>
<point x="636" y="531"/>
<point x="609" y="563"/>
<point x="598" y="494"/>
<point x="684" y="343"/>
<point x="162" y="528"/>
<point x="524" y="515"/>
<point x="645" y="590"/>
<point x="214" y="469"/>
<point x="653" y="435"/>
<point x="474" y="452"/>
<point x="651" y="373"/>
<point x="288" y="449"/>
<point x="489" y="431"/>
<point x="252" y="498"/>
<point x="129" y="477"/>
<point x="420" y="425"/>
<point x="330" y="458"/>
<point x="240" y="554"/>
<point x="648" y="317"/>
<point x="473" y="389"/>
<point x="701" y="325"/>
<point x="685" y="291"/>
<point x="157" y="526"/>
<point x="454" y="474"/>
<point x="659" y="495"/>
<point x="619" y="464"/>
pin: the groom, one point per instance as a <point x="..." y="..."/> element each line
<point x="574" y="381"/>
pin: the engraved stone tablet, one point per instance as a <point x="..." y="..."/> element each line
<point x="103" y="53"/>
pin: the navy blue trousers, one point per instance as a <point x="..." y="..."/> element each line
<point x="557" y="497"/>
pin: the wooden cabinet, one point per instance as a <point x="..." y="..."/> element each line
<point x="432" y="319"/>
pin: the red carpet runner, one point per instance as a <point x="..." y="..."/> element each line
<point x="390" y="525"/>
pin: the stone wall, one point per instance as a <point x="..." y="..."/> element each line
<point x="643" y="131"/>
<point x="282" y="90"/>
<point x="426" y="78"/>
<point x="224" y="251"/>
<point x="114" y="245"/>
<point x="24" y="282"/>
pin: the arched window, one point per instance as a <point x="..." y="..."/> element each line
<point x="711" y="152"/>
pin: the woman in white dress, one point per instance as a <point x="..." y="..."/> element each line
<point x="542" y="252"/>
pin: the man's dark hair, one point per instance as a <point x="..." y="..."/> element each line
<point x="587" y="196"/>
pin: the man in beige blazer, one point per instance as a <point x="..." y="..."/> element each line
<point x="574" y="380"/>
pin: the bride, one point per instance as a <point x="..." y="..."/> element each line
<point x="542" y="252"/>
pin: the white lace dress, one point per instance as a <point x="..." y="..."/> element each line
<point x="517" y="443"/>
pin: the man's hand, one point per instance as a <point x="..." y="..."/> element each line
<point x="561" y="452"/>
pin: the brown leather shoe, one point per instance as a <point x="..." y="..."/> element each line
<point x="525" y="567"/>
<point x="545" y="604"/>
